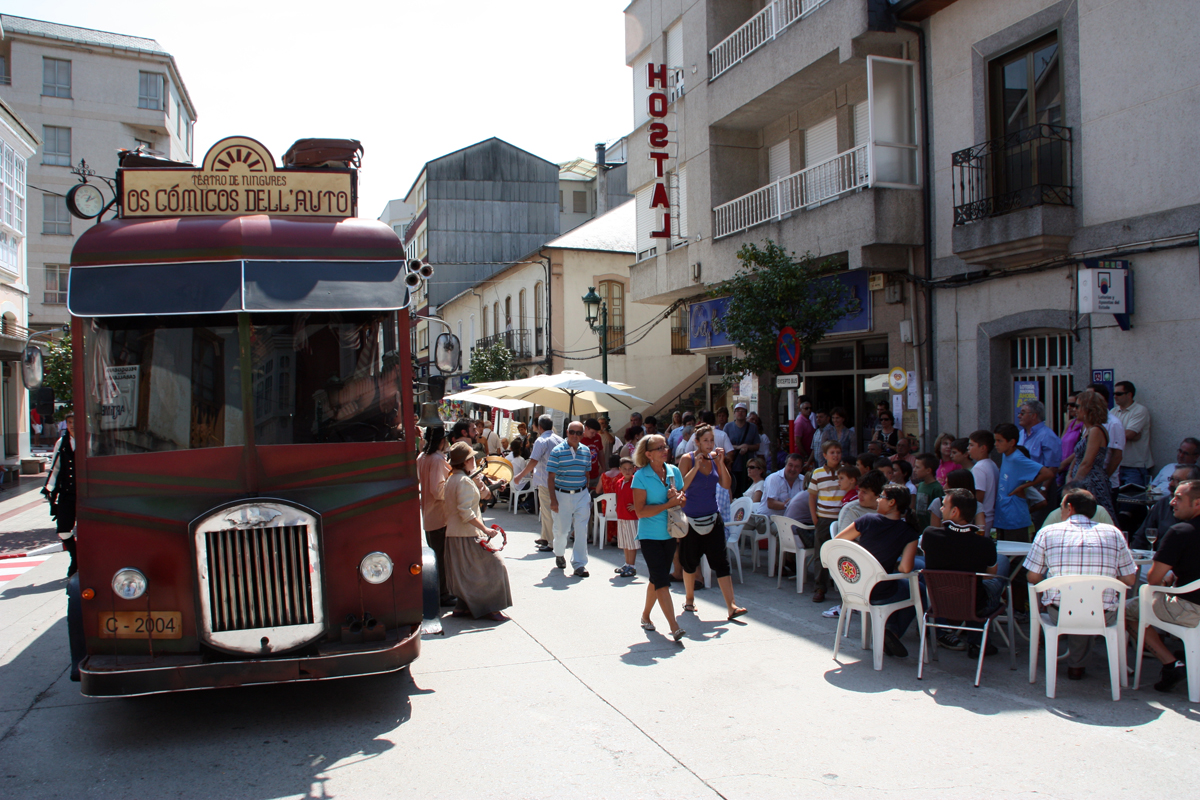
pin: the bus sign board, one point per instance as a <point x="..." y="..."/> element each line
<point x="238" y="177"/>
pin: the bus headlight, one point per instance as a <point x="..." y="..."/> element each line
<point x="375" y="568"/>
<point x="129" y="584"/>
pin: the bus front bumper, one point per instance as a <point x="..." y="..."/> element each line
<point x="126" y="676"/>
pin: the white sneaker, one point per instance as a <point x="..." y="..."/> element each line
<point x="833" y="612"/>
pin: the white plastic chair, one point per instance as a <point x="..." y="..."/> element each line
<point x="600" y="519"/>
<point x="740" y="511"/>
<point x="516" y="493"/>
<point x="787" y="544"/>
<point x="1190" y="636"/>
<point x="1081" y="613"/>
<point x="856" y="573"/>
<point x="765" y="536"/>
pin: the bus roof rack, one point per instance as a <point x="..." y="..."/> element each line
<point x="312" y="153"/>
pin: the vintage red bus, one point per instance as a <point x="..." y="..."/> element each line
<point x="245" y="445"/>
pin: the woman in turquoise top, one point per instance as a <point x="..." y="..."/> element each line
<point x="657" y="486"/>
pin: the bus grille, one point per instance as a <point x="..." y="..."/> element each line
<point x="259" y="578"/>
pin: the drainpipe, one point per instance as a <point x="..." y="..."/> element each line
<point x="926" y="139"/>
<point x="601" y="179"/>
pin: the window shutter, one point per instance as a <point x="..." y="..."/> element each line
<point x="675" y="71"/>
<point x="645" y="220"/>
<point x="820" y="142"/>
<point x="862" y="126"/>
<point x="641" y="92"/>
<point x="779" y="161"/>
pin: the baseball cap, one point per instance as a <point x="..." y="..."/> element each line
<point x="741" y="405"/>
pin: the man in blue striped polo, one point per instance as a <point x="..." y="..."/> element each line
<point x="566" y="476"/>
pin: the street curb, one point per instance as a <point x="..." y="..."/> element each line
<point x="41" y="551"/>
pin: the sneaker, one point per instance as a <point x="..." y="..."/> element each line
<point x="545" y="548"/>
<point x="832" y="613"/>
<point x="581" y="573"/>
<point x="541" y="542"/>
<point x="892" y="646"/>
<point x="950" y="641"/>
<point x="560" y="562"/>
<point x="1172" y="675"/>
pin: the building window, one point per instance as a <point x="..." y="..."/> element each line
<point x="496" y="329"/>
<point x="579" y="200"/>
<point x="523" y="320"/>
<point x="56" y="77"/>
<point x="10" y="253"/>
<point x="152" y="91"/>
<point x="56" y="284"/>
<point x="1047" y="360"/>
<point x="13" y="175"/>
<point x="143" y="144"/>
<point x="613" y="294"/>
<point x="1027" y="87"/>
<point x="560" y="201"/>
<point x="56" y="149"/>
<point x="539" y="344"/>
<point x="56" y="220"/>
<point x="5" y="76"/>
<point x="679" y="331"/>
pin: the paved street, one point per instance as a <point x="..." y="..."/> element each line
<point x="572" y="698"/>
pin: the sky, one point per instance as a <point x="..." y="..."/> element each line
<point x="410" y="80"/>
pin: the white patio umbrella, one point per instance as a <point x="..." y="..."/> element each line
<point x="569" y="391"/>
<point x="479" y="398"/>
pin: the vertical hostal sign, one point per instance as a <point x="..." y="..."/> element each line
<point x="656" y="81"/>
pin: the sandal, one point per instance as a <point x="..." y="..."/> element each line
<point x="737" y="612"/>
<point x="689" y="607"/>
<point x="678" y="634"/>
<point x="647" y="625"/>
<point x="497" y="616"/>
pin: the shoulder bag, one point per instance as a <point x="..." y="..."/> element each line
<point x="677" y="521"/>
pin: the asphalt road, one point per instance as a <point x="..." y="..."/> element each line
<point x="572" y="699"/>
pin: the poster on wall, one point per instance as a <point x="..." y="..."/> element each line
<point x="1023" y="392"/>
<point x="121" y="413"/>
<point x="1106" y="378"/>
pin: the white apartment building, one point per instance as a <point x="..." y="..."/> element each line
<point x="18" y="143"/>
<point x="795" y="121"/>
<point x="87" y="94"/>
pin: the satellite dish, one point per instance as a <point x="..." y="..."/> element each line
<point x="31" y="367"/>
<point x="447" y="353"/>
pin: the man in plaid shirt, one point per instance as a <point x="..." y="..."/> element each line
<point x="1080" y="546"/>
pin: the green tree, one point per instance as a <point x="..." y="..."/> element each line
<point x="492" y="363"/>
<point x="774" y="289"/>
<point x="58" y="373"/>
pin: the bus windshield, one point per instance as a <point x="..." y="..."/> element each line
<point x="156" y="384"/>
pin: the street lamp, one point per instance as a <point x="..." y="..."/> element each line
<point x="597" y="309"/>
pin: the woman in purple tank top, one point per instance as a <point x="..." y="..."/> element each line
<point x="703" y="471"/>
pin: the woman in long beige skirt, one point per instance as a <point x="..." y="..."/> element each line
<point x="475" y="574"/>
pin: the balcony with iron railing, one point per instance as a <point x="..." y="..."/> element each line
<point x="518" y="342"/>
<point x="808" y="188"/>
<point x="1027" y="168"/>
<point x="1013" y="196"/>
<point x="764" y="26"/>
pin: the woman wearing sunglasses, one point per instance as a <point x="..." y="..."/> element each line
<point x="704" y="469"/>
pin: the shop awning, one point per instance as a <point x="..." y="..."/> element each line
<point x="213" y="287"/>
<point x="202" y="265"/>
